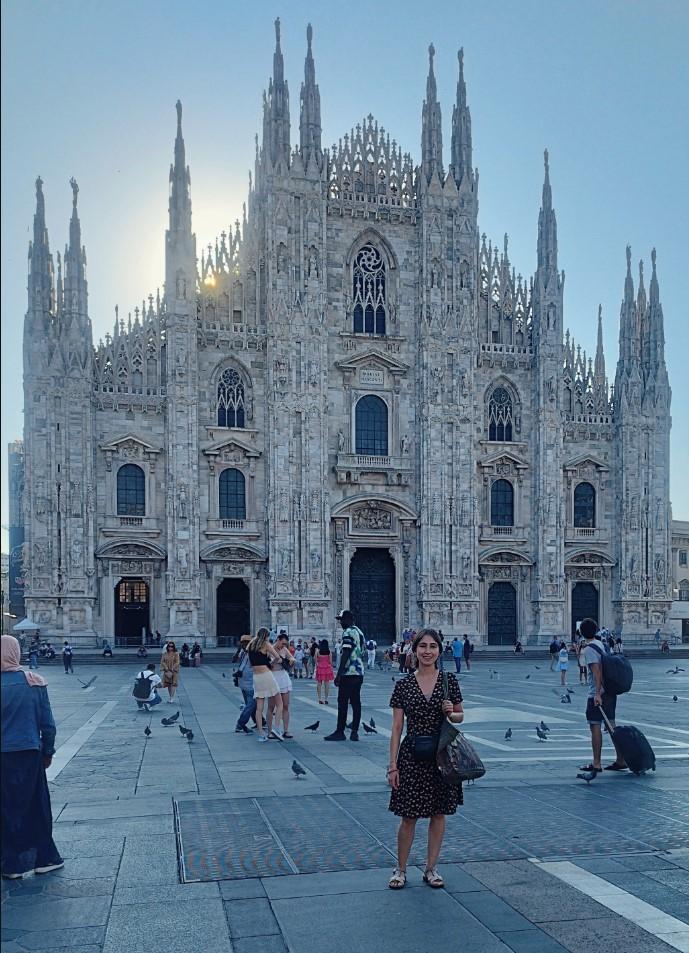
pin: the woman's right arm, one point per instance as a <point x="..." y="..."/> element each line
<point x="395" y="736"/>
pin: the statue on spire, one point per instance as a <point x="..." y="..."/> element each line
<point x="75" y="191"/>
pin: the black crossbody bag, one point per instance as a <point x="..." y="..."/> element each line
<point x="424" y="748"/>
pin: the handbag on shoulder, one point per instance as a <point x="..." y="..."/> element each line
<point x="456" y="758"/>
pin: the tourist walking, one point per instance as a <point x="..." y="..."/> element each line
<point x="282" y="667"/>
<point x="418" y="789"/>
<point x="597" y="700"/>
<point x="67" y="658"/>
<point x="244" y="680"/>
<point x="28" y="745"/>
<point x="563" y="664"/>
<point x="34" y="649"/>
<point x="457" y="652"/>
<point x="581" y="661"/>
<point x="324" y="672"/>
<point x="311" y="657"/>
<point x="169" y="666"/>
<point x="371" y="647"/>
<point x="467" y="650"/>
<point x="261" y="656"/>
<point x="554" y="651"/>
<point x="349" y="678"/>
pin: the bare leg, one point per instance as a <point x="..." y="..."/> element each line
<point x="319" y="690"/>
<point x="271" y="714"/>
<point x="596" y="744"/>
<point x="405" y="838"/>
<point x="436" y="832"/>
<point x="277" y="710"/>
<point x="285" y="710"/>
<point x="326" y="690"/>
<point x="259" y="716"/>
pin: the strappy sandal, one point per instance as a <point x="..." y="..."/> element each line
<point x="590" y="767"/>
<point x="433" y="878"/>
<point x="398" y="879"/>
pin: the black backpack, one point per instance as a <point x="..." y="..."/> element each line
<point x="370" y="645"/>
<point x="142" y="687"/>
<point x="618" y="674"/>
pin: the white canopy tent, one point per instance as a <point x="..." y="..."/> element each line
<point x="26" y="625"/>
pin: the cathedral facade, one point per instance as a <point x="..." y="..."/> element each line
<point x="349" y="400"/>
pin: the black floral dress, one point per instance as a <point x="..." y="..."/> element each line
<point x="422" y="791"/>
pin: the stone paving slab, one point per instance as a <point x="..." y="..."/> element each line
<point x="603" y="933"/>
<point x="168" y="928"/>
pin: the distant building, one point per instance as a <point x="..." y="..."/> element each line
<point x="679" y="614"/>
<point x="351" y="400"/>
<point x="15" y="587"/>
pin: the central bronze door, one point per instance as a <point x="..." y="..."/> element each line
<point x="234" y="611"/>
<point x="372" y="593"/>
<point x="502" y="614"/>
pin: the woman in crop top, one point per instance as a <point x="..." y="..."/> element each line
<point x="261" y="655"/>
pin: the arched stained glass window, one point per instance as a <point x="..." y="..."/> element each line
<point x="231" y="405"/>
<point x="500" y="415"/>
<point x="369" y="291"/>
<point x="584" y="505"/>
<point x="502" y="503"/>
<point x="232" y="501"/>
<point x="131" y="491"/>
<point x="371" y="424"/>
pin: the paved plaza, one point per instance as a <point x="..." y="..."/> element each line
<point x="193" y="847"/>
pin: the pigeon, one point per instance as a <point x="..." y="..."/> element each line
<point x="570" y="691"/>
<point x="565" y="700"/>
<point x="169" y="721"/>
<point x="587" y="776"/>
<point x="223" y="675"/>
<point x="313" y="727"/>
<point x="527" y="676"/>
<point x="369" y="730"/>
<point x="173" y="718"/>
<point x="542" y="736"/>
<point x="89" y="683"/>
<point x="675" y="698"/>
<point x="543" y="726"/>
<point x="182" y="729"/>
<point x="508" y="734"/>
<point x="147" y="731"/>
<point x="190" y="734"/>
<point x="537" y="666"/>
<point x="297" y="769"/>
<point x="670" y="671"/>
<point x="372" y="723"/>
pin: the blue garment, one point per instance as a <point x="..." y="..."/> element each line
<point x="27" y="720"/>
<point x="249" y="709"/>
<point x="457" y="648"/>
<point x="246" y="673"/>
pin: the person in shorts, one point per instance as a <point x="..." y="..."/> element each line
<point x="597" y="699"/>
<point x="282" y="666"/>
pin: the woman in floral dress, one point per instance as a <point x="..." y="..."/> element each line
<point x="418" y="789"/>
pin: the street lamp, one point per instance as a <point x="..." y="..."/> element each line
<point x="2" y="611"/>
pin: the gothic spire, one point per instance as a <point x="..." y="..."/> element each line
<point x="461" y="159"/>
<point x="642" y="322"/>
<point x="431" y="126"/>
<point x="278" y="109"/>
<point x="629" y="342"/>
<point x="75" y="290"/>
<point x="599" y="363"/>
<point x="655" y="319"/>
<point x="310" y="116"/>
<point x="180" y="183"/>
<point x="40" y="285"/>
<point x="547" y="226"/>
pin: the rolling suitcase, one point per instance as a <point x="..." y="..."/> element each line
<point x="633" y="746"/>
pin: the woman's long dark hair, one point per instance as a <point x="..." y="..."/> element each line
<point x="324" y="647"/>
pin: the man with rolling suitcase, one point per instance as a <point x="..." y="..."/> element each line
<point x="599" y="700"/>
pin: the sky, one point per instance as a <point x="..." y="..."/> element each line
<point x="89" y="88"/>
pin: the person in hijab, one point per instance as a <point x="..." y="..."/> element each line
<point x="28" y="745"/>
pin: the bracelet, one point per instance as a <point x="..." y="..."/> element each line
<point x="390" y="770"/>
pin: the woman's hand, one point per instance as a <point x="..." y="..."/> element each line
<point x="394" y="778"/>
<point x="448" y="707"/>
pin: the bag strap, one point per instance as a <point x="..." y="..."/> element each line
<point x="446" y="686"/>
<point x="595" y="649"/>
